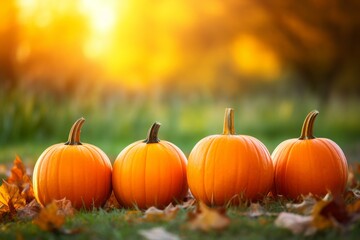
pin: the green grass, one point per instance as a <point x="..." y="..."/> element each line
<point x="100" y="224"/>
<point x="30" y="122"/>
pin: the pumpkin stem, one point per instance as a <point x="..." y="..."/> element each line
<point x="229" y="125"/>
<point x="308" y="126"/>
<point x="74" y="135"/>
<point x="153" y="134"/>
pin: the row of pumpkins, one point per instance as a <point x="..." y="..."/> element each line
<point x="221" y="169"/>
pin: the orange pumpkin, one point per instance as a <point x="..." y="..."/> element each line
<point x="227" y="168"/>
<point x="150" y="173"/>
<point x="79" y="172"/>
<point x="309" y="165"/>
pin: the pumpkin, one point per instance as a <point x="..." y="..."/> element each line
<point x="309" y="164"/>
<point x="227" y="168"/>
<point x="150" y="173"/>
<point x="79" y="172"/>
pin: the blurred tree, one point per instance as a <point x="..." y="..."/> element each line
<point x="8" y="44"/>
<point x="319" y="39"/>
<point x="51" y="51"/>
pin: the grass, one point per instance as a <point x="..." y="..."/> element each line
<point x="100" y="224"/>
<point x="30" y="122"/>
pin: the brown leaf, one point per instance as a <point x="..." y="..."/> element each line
<point x="354" y="176"/>
<point x="111" y="203"/>
<point x="190" y="202"/>
<point x="354" y="208"/>
<point x="133" y="216"/>
<point x="296" y="223"/>
<point x="158" y="233"/>
<point x="305" y="207"/>
<point x="256" y="210"/>
<point x="49" y="218"/>
<point x="29" y="211"/>
<point x="352" y="194"/>
<point x="153" y="214"/>
<point x="10" y="198"/>
<point x="20" y="178"/>
<point x="65" y="207"/>
<point x="330" y="213"/>
<point x="207" y="219"/>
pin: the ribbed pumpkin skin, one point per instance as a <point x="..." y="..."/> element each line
<point x="148" y="175"/>
<point x="309" y="166"/>
<point x="226" y="168"/>
<point x="78" y="172"/>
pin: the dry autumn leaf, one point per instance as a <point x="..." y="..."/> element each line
<point x="255" y="210"/>
<point x="305" y="207"/>
<point x="133" y="216"/>
<point x="296" y="223"/>
<point x="330" y="213"/>
<point x="158" y="233"/>
<point x="207" y="219"/>
<point x="19" y="177"/>
<point x="10" y="198"/>
<point x="65" y="207"/>
<point x="49" y="218"/>
<point x="153" y="214"/>
<point x="190" y="202"/>
<point x="29" y="211"/>
<point x="111" y="203"/>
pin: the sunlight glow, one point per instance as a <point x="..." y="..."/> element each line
<point x="253" y="58"/>
<point x="102" y="14"/>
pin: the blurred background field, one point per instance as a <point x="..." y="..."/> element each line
<point x="125" y="64"/>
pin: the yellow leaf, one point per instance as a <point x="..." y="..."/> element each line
<point x="49" y="219"/>
<point x="207" y="219"/>
<point x="10" y="198"/>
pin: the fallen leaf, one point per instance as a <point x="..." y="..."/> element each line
<point x="10" y="198"/>
<point x="64" y="207"/>
<point x="354" y="176"/>
<point x="111" y="203"/>
<point x="255" y="210"/>
<point x="352" y="194"/>
<point x="305" y="207"/>
<point x="29" y="211"/>
<point x="49" y="219"/>
<point x="330" y="213"/>
<point x="158" y="233"/>
<point x="296" y="223"/>
<point x="153" y="214"/>
<point x="133" y="216"/>
<point x="207" y="219"/>
<point x="190" y="202"/>
<point x="353" y="208"/>
<point x="19" y="177"/>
